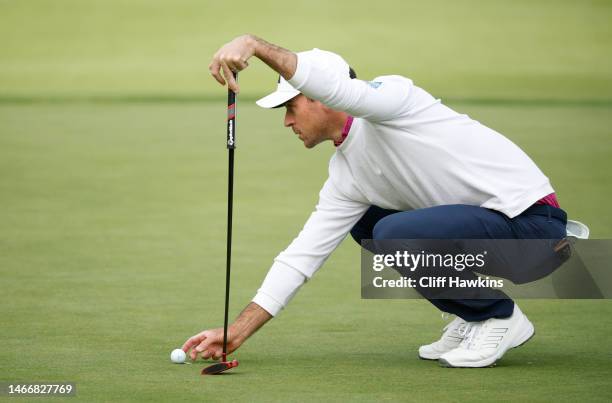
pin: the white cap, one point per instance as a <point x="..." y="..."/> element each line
<point x="285" y="91"/>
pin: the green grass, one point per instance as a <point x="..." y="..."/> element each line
<point x="113" y="194"/>
<point x="474" y="48"/>
<point x="112" y="253"/>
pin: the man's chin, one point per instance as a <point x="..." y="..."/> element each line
<point x="307" y="144"/>
<point x="310" y="144"/>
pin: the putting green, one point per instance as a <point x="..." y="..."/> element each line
<point x="113" y="253"/>
<point x="113" y="195"/>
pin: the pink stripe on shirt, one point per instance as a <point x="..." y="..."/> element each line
<point x="551" y="200"/>
<point x="345" y="130"/>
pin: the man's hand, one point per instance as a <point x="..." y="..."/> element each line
<point x="209" y="343"/>
<point x="234" y="56"/>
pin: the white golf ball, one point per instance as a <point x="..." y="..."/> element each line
<point x="177" y="356"/>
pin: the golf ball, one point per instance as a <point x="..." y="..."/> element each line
<point x="177" y="356"/>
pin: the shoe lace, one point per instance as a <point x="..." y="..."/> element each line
<point x="472" y="333"/>
<point x="463" y="329"/>
<point x="445" y="317"/>
<point x="460" y="330"/>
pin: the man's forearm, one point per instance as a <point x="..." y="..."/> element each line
<point x="280" y="60"/>
<point x="249" y="321"/>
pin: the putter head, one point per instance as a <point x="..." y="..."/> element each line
<point x="219" y="367"/>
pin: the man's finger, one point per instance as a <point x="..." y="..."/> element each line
<point x="203" y="346"/>
<point x="243" y="64"/>
<point x="193" y="341"/>
<point x="206" y="354"/>
<point x="229" y="77"/>
<point x="214" y="69"/>
<point x="236" y="63"/>
<point x="193" y="355"/>
<point x="198" y="347"/>
<point x="190" y="343"/>
<point x="217" y="354"/>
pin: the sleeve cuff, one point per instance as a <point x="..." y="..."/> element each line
<point x="278" y="288"/>
<point x="268" y="303"/>
<point x="301" y="72"/>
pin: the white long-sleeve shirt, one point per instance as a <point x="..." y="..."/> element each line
<point x="405" y="150"/>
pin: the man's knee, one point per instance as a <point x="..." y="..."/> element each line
<point x="364" y="227"/>
<point x="358" y="233"/>
<point x="393" y="227"/>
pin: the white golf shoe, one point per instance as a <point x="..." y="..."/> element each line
<point x="452" y="335"/>
<point x="486" y="342"/>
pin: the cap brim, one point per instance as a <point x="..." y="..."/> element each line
<point x="276" y="99"/>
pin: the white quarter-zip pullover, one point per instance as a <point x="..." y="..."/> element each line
<point x="405" y="150"/>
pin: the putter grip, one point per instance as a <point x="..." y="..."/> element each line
<point x="231" y="117"/>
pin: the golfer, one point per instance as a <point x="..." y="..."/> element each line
<point x="405" y="167"/>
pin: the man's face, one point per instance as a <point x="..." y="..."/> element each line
<point x="307" y="119"/>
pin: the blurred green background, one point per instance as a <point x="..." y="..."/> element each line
<point x="113" y="175"/>
<point x="460" y="49"/>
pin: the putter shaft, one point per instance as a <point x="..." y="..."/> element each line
<point x="231" y="145"/>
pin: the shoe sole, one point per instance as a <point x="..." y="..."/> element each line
<point x="428" y="359"/>
<point x="431" y="358"/>
<point x="485" y="363"/>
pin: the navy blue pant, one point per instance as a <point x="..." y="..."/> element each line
<point x="463" y="222"/>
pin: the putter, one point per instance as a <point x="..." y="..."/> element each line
<point x="231" y="145"/>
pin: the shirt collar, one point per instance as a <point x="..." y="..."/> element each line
<point x="345" y="130"/>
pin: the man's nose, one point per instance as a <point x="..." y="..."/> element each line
<point x="289" y="120"/>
